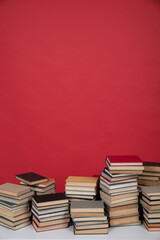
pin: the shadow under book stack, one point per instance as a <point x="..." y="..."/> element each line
<point x="39" y="184"/>
<point x="50" y="212"/>
<point x="118" y="184"/>
<point x="151" y="174"/>
<point x="151" y="208"/>
<point x="89" y="217"/>
<point x="81" y="188"/>
<point x="14" y="205"/>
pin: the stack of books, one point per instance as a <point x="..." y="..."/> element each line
<point x="151" y="207"/>
<point x="151" y="174"/>
<point x="81" y="187"/>
<point x="89" y="217"/>
<point x="14" y="205"/>
<point x="118" y="184"/>
<point x="39" y="184"/>
<point x="50" y="212"/>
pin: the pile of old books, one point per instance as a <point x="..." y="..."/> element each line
<point x="39" y="184"/>
<point x="14" y="205"/>
<point x="118" y="184"/>
<point x="81" y="187"/>
<point x="151" y="174"/>
<point x="151" y="207"/>
<point x="50" y="212"/>
<point x="89" y="217"/>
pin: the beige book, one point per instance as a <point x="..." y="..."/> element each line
<point x="120" y="196"/>
<point x="81" y="181"/>
<point x="95" y="226"/>
<point x="151" y="220"/>
<point x="75" y="188"/>
<point x="154" y="197"/>
<point x="50" y="206"/>
<point x="151" y="229"/>
<point x="151" y="173"/>
<point x="12" y="200"/>
<point x="48" y="228"/>
<point x="124" y="220"/>
<point x="120" y="203"/>
<point x="80" y="193"/>
<point x="91" y="223"/>
<point x="83" y="219"/>
<point x="152" y="202"/>
<point x="119" y="190"/>
<point x="55" y="218"/>
<point x="47" y="192"/>
<point x="122" y="212"/>
<point x="87" y="206"/>
<point x="90" y="214"/>
<point x="17" y="218"/>
<point x="152" y="214"/>
<point x="13" y="213"/>
<point x="49" y="210"/>
<point x="149" y="207"/>
<point x="12" y="189"/>
<point x="18" y="226"/>
<point x="20" y="197"/>
<point x="151" y="191"/>
<point x="135" y="205"/>
<point x="91" y="231"/>
<point x="48" y="223"/>
<point x="11" y="223"/>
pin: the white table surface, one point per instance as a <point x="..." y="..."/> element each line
<point x="114" y="233"/>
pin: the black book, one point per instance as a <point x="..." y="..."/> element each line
<point x="31" y="178"/>
<point x="50" y="199"/>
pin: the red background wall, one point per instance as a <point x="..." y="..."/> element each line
<point x="78" y="80"/>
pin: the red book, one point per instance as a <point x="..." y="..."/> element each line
<point x="121" y="160"/>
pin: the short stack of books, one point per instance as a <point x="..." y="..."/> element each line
<point x="14" y="205"/>
<point x="81" y="187"/>
<point x="151" y="207"/>
<point x="50" y="212"/>
<point x="39" y="184"/>
<point x="151" y="174"/>
<point x="89" y="217"/>
<point x="118" y="184"/>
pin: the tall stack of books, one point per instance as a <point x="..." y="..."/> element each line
<point x="14" y="205"/>
<point x="118" y="184"/>
<point x="151" y="174"/>
<point x="89" y="217"/>
<point x="39" y="184"/>
<point x="81" y="187"/>
<point x="151" y="207"/>
<point x="50" y="212"/>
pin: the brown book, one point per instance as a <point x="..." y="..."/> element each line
<point x="91" y="231"/>
<point x="124" y="220"/>
<point x="52" y="222"/>
<point x="151" y="229"/>
<point x="124" y="212"/>
<point x="31" y="178"/>
<point x="49" y="228"/>
<point x="17" y="226"/>
<point x="12" y="189"/>
<point x="151" y="173"/>
<point x="81" y="181"/>
<point x="50" y="199"/>
<point x="148" y="182"/>
<point x="148" y="207"/>
<point x="13" y="213"/>
<point x="87" y="214"/>
<point x="94" y="226"/>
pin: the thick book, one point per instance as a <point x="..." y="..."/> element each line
<point x="91" y="226"/>
<point x="17" y="226"/>
<point x="87" y="206"/>
<point x="31" y="178"/>
<point x="52" y="222"/>
<point x="151" y="191"/>
<point x="125" y="221"/>
<point x="48" y="228"/>
<point x="14" y="213"/>
<point x="81" y="181"/>
<point x="13" y="189"/>
<point x="91" y="231"/>
<point x="50" y="199"/>
<point x="120" y="160"/>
